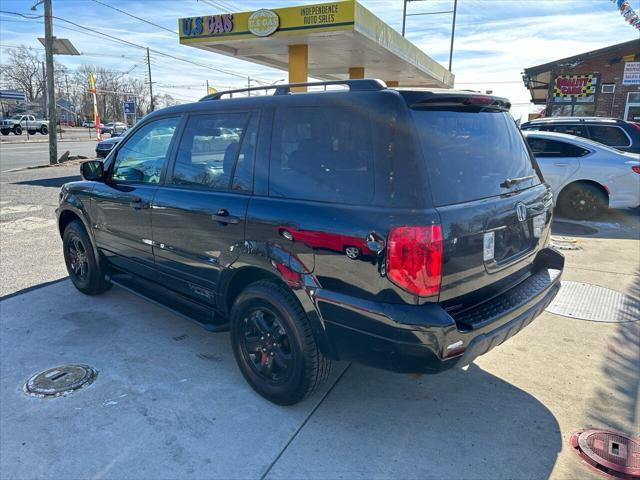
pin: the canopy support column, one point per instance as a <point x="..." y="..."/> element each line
<point x="298" y="65"/>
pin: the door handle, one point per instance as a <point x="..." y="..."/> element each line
<point x="137" y="203"/>
<point x="561" y="164"/>
<point x="223" y="217"/>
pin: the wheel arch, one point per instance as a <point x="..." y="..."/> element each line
<point x="237" y="279"/>
<point x="68" y="215"/>
<point x="585" y="181"/>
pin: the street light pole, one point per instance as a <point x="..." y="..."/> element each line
<point x="404" y="16"/>
<point x="453" y="32"/>
<point x="51" y="88"/>
<point x="150" y="82"/>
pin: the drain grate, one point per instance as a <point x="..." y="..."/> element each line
<point x="613" y="453"/>
<point x="591" y="302"/>
<point x="60" y="380"/>
<point x="564" y="244"/>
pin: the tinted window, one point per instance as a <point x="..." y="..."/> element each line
<point x="542" y="147"/>
<point x="578" y="130"/>
<point x="216" y="148"/>
<point x="613" y="136"/>
<point x="469" y="154"/>
<point x="142" y="155"/>
<point x="321" y="154"/>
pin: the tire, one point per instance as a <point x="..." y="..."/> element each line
<point x="352" y="252"/>
<point x="17" y="130"/>
<point x="85" y="271"/>
<point x="582" y="201"/>
<point x="44" y="130"/>
<point x="5" y="131"/>
<point x="32" y="132"/>
<point x="286" y="364"/>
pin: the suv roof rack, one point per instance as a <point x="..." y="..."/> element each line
<point x="285" y="89"/>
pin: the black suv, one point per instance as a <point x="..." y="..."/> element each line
<point x="612" y="132"/>
<point x="407" y="230"/>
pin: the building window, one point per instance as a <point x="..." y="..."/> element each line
<point x="608" y="87"/>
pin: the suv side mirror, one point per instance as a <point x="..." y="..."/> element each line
<point x="93" y="170"/>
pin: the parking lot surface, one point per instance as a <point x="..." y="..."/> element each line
<point x="169" y="401"/>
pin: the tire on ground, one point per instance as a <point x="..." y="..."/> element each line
<point x="17" y="130"/>
<point x="582" y="201"/>
<point x="44" y="130"/>
<point x="310" y="368"/>
<point x="95" y="282"/>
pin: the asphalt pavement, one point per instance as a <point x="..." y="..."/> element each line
<point x="36" y="153"/>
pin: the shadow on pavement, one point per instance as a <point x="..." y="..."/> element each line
<point x="460" y="424"/>
<point x="49" y="182"/>
<point x="614" y="223"/>
<point x="621" y="367"/>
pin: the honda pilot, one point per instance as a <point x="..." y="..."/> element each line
<point x="403" y="229"/>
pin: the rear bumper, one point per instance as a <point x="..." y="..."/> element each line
<point x="425" y="338"/>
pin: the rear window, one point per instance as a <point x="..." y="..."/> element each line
<point x="469" y="154"/>
<point x="609" y="135"/>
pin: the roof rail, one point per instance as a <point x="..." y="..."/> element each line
<point x="285" y="89"/>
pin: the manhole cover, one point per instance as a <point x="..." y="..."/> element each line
<point x="591" y="302"/>
<point x="60" y="380"/>
<point x="610" y="452"/>
<point x="568" y="228"/>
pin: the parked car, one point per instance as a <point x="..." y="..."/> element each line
<point x="105" y="146"/>
<point x="586" y="177"/>
<point x="438" y="185"/>
<point x="113" y="127"/>
<point x="20" y="122"/>
<point x="613" y="132"/>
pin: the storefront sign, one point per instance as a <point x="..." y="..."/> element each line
<point x="325" y="17"/>
<point x="211" y="25"/>
<point x="631" y="73"/>
<point x="263" y="23"/>
<point x="581" y="88"/>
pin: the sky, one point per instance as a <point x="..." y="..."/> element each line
<point x="495" y="39"/>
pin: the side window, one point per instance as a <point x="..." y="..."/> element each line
<point x="578" y="130"/>
<point x="319" y="154"/>
<point x="216" y="151"/>
<point x="142" y="155"/>
<point x="609" y="135"/>
<point x="544" y="148"/>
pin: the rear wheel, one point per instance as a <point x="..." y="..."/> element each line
<point x="44" y="130"/>
<point x="274" y="345"/>
<point x="582" y="201"/>
<point x="84" y="270"/>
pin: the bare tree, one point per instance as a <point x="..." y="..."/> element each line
<point x="23" y="71"/>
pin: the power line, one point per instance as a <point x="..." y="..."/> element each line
<point x="136" y="17"/>
<point x="126" y="42"/>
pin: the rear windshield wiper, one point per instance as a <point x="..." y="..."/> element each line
<point x="510" y="182"/>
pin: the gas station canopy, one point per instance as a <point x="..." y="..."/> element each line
<point x="327" y="41"/>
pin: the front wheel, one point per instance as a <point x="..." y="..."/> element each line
<point x="17" y="130"/>
<point x="582" y="201"/>
<point x="84" y="269"/>
<point x="44" y="130"/>
<point x="5" y="131"/>
<point x="274" y="345"/>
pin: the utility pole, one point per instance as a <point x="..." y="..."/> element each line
<point x="44" y="93"/>
<point x="150" y="83"/>
<point x="453" y="32"/>
<point x="404" y="16"/>
<point x="248" y="86"/>
<point x="51" y="88"/>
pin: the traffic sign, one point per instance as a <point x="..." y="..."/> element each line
<point x="129" y="107"/>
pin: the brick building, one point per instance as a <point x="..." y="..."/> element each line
<point x="602" y="83"/>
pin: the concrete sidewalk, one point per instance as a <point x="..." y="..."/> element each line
<point x="169" y="401"/>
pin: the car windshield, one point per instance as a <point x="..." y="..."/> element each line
<point x="473" y="154"/>
<point x="17" y="117"/>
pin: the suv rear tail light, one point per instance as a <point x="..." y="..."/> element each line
<point x="636" y="168"/>
<point x="414" y="259"/>
<point x="635" y="125"/>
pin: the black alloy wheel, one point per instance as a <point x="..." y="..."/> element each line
<point x="582" y="201"/>
<point x="78" y="262"/>
<point x="266" y="345"/>
<point x="274" y="345"/>
<point x="85" y="272"/>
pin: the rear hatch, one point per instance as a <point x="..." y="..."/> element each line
<point x="494" y="208"/>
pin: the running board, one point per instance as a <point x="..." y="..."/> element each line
<point x="192" y="310"/>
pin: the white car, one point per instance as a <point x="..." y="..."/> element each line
<point x="586" y="177"/>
